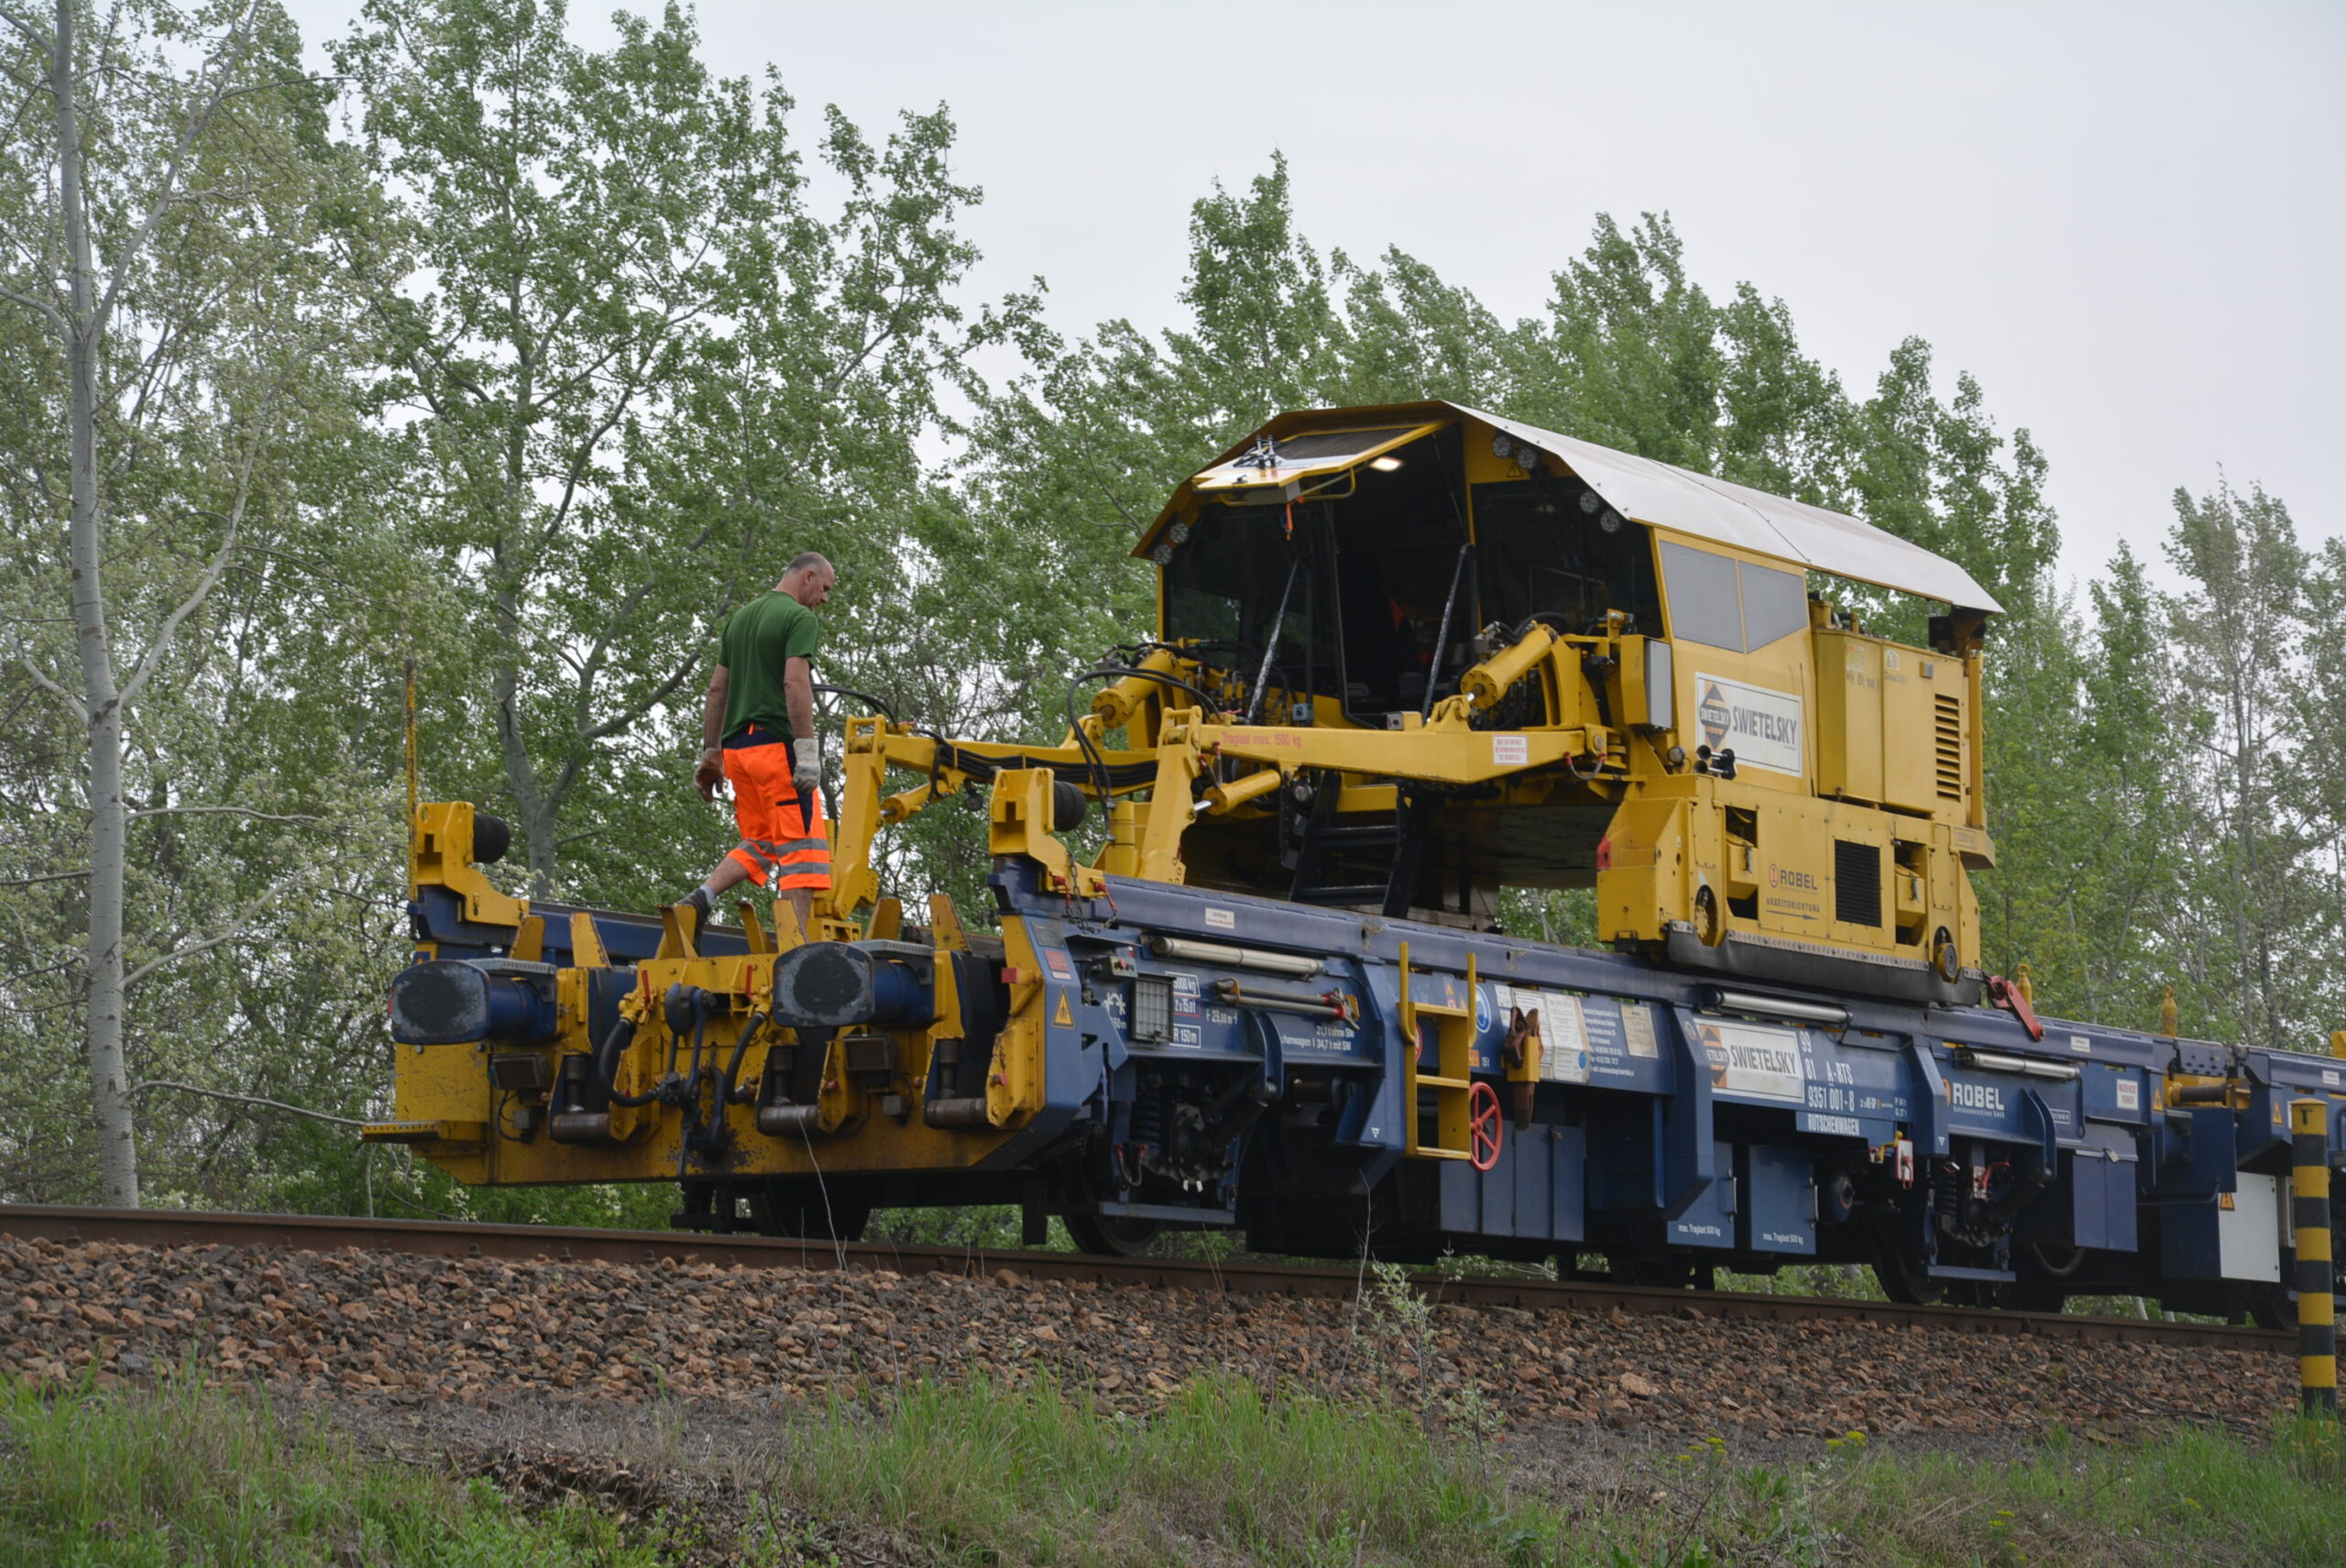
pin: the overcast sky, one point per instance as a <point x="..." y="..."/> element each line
<point x="2127" y="220"/>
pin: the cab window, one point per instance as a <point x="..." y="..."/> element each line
<point x="1552" y="547"/>
<point x="1720" y="602"/>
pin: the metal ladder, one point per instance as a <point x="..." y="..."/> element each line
<point x="1314" y="851"/>
<point x="1452" y="1078"/>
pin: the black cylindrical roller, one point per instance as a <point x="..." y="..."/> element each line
<point x="446" y="1002"/>
<point x="834" y="985"/>
<point x="491" y="838"/>
<point x="1069" y="806"/>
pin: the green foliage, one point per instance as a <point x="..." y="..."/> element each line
<point x="2156" y="786"/>
<point x="2081" y="732"/>
<point x="1928" y="471"/>
<point x="636" y="372"/>
<point x="251" y="584"/>
<point x="992" y="1227"/>
<point x="1630" y="355"/>
<point x="2233" y="638"/>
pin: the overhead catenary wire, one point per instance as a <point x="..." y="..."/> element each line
<point x="367" y="1161"/>
<point x="247" y="1100"/>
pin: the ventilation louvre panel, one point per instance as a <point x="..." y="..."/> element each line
<point x="1948" y="716"/>
<point x="1856" y="882"/>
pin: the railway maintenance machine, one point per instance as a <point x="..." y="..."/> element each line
<point x="1243" y="965"/>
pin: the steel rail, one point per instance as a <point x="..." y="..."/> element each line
<point x="559" y="1244"/>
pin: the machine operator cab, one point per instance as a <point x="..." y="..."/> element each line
<point x="1759" y="785"/>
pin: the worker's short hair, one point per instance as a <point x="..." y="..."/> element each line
<point x="804" y="562"/>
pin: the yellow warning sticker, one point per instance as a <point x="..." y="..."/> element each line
<point x="1065" y="1016"/>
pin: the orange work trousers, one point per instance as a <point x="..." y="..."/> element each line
<point x="784" y="843"/>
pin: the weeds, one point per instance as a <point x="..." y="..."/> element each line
<point x="1400" y="1318"/>
<point x="993" y="1473"/>
<point x="987" y="1472"/>
<point x="190" y="1476"/>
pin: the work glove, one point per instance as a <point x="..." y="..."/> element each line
<point x="809" y="770"/>
<point x="710" y="773"/>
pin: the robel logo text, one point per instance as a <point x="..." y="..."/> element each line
<point x="1975" y="1097"/>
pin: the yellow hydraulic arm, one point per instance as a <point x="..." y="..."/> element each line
<point x="1175" y="743"/>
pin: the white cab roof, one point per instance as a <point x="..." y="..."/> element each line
<point x="1683" y="501"/>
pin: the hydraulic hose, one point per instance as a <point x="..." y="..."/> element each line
<point x="689" y="1091"/>
<point x="731" y="1095"/>
<point x="882" y="709"/>
<point x="1442" y="639"/>
<point x="607" y="1064"/>
<point x="580" y="1126"/>
<point x="1271" y="644"/>
<point x="1099" y="765"/>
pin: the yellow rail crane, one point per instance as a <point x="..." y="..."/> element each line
<point x="1406" y="657"/>
<point x="1410" y="655"/>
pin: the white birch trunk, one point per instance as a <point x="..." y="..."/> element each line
<point x="85" y="333"/>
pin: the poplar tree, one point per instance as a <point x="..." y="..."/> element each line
<point x="638" y="371"/>
<point x="2314" y="786"/>
<point x="173" y="338"/>
<point x="2233" y="636"/>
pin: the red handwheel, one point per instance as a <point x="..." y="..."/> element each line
<point x="1485" y="1127"/>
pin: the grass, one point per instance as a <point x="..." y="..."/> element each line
<point x="987" y="1473"/>
<point x="2195" y="1496"/>
<point x="187" y="1476"/>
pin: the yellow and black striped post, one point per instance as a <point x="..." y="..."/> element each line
<point x="2309" y="1211"/>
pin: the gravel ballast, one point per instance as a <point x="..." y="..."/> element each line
<point x="406" y="1329"/>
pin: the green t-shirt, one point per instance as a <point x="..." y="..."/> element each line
<point x="759" y="640"/>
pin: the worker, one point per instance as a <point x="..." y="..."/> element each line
<point x="758" y="735"/>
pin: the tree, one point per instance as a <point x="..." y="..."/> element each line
<point x="1629" y="356"/>
<point x="2232" y="634"/>
<point x="2132" y="727"/>
<point x="1929" y="471"/>
<point x="1411" y="336"/>
<point x="641" y="371"/>
<point x="1786" y="426"/>
<point x="1264" y="330"/>
<point x="163" y="210"/>
<point x="2314" y="786"/>
<point x="2084" y="726"/>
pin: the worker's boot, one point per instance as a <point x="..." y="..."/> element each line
<point x="700" y="903"/>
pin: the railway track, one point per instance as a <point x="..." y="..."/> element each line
<point x="562" y="1244"/>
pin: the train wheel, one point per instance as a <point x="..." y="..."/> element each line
<point x="1667" y="1271"/>
<point x="1905" y="1274"/>
<point x="2043" y="1269"/>
<point x="2269" y="1307"/>
<point x="791" y="1208"/>
<point x="1105" y="1236"/>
